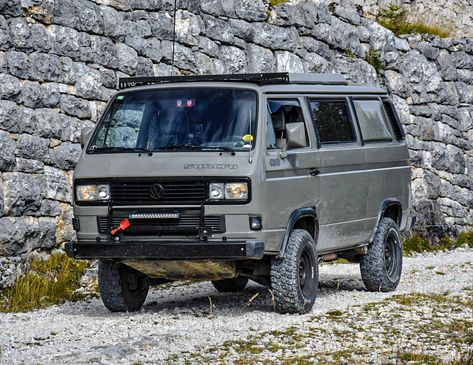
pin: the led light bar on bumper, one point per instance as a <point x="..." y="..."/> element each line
<point x="90" y="193"/>
<point x="229" y="191"/>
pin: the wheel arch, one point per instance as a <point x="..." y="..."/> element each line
<point x="391" y="208"/>
<point x="302" y="218"/>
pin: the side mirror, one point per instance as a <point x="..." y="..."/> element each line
<point x="85" y="135"/>
<point x="295" y="134"/>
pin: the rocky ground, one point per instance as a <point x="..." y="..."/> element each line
<point x="429" y="319"/>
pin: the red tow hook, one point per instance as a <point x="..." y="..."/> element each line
<point x="124" y="224"/>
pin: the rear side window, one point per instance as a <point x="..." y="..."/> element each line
<point x="393" y="120"/>
<point x="372" y="119"/>
<point x="331" y="121"/>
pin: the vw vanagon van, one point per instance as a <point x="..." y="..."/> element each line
<point x="232" y="178"/>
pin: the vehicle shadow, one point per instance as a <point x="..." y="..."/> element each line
<point x="202" y="300"/>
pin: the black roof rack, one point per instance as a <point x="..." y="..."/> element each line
<point x="257" y="78"/>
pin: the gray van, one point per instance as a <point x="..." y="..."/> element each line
<point x="236" y="177"/>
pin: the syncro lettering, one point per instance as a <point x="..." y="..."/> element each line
<point x="208" y="166"/>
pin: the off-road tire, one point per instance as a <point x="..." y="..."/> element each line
<point x="231" y="285"/>
<point x="293" y="292"/>
<point x="381" y="267"/>
<point x="122" y="288"/>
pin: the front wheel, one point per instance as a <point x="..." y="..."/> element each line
<point x="294" y="278"/>
<point x="122" y="288"/>
<point x="382" y="265"/>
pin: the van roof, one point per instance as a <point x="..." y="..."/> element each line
<point x="272" y="82"/>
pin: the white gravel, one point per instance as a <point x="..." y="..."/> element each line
<point x="178" y="319"/>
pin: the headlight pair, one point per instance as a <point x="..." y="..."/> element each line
<point x="228" y="191"/>
<point x="90" y="193"/>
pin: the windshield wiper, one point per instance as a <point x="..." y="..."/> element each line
<point x="117" y="149"/>
<point x="218" y="148"/>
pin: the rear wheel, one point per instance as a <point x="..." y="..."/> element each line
<point x="381" y="267"/>
<point x="122" y="288"/>
<point x="294" y="278"/>
<point x="231" y="285"/>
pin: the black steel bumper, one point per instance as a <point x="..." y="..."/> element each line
<point x="236" y="250"/>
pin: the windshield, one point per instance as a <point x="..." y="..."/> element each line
<point x="178" y="119"/>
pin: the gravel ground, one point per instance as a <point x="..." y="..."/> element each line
<point x="195" y="323"/>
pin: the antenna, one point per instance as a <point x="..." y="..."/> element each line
<point x="251" y="142"/>
<point x="173" y="37"/>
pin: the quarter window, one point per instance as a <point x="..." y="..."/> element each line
<point x="331" y="121"/>
<point x="373" y="123"/>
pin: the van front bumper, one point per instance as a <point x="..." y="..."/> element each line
<point x="232" y="250"/>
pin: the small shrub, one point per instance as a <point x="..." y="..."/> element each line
<point x="465" y="238"/>
<point x="48" y="282"/>
<point x="372" y="57"/>
<point x="350" y="54"/>
<point x="417" y="243"/>
<point x="274" y="3"/>
<point x="394" y="18"/>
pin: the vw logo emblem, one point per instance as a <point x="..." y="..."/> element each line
<point x="157" y="191"/>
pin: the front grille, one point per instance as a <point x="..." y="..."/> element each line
<point x="158" y="192"/>
<point x="187" y="224"/>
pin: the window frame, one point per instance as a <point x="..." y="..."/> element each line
<point x="386" y="99"/>
<point x="104" y="113"/>
<point x="309" y="132"/>
<point x="351" y="120"/>
<point x="388" y="125"/>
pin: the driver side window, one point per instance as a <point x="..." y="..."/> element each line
<point x="280" y="113"/>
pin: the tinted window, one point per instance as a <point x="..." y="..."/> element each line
<point x="393" y="120"/>
<point x="372" y="120"/>
<point x="280" y="113"/>
<point x="331" y="121"/>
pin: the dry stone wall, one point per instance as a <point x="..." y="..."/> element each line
<point x="455" y="16"/>
<point x="60" y="59"/>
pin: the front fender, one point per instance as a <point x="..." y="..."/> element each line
<point x="293" y="218"/>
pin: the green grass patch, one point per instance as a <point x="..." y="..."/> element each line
<point x="417" y="243"/>
<point x="48" y="282"/>
<point x="416" y="358"/>
<point x="416" y="298"/>
<point x="349" y="53"/>
<point x="274" y="3"/>
<point x="338" y="261"/>
<point x="372" y="57"/>
<point x="334" y="314"/>
<point x="335" y="329"/>
<point x="394" y="18"/>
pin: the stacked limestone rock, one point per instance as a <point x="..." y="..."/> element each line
<point x="59" y="63"/>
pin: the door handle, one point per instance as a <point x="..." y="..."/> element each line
<point x="314" y="172"/>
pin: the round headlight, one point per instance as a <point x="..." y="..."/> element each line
<point x="216" y="191"/>
<point x="103" y="192"/>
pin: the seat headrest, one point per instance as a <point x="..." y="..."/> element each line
<point x="279" y="120"/>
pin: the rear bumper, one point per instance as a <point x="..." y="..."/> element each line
<point x="411" y="220"/>
<point x="234" y="250"/>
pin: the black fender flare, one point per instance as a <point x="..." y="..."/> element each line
<point x="385" y="205"/>
<point x="295" y="215"/>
